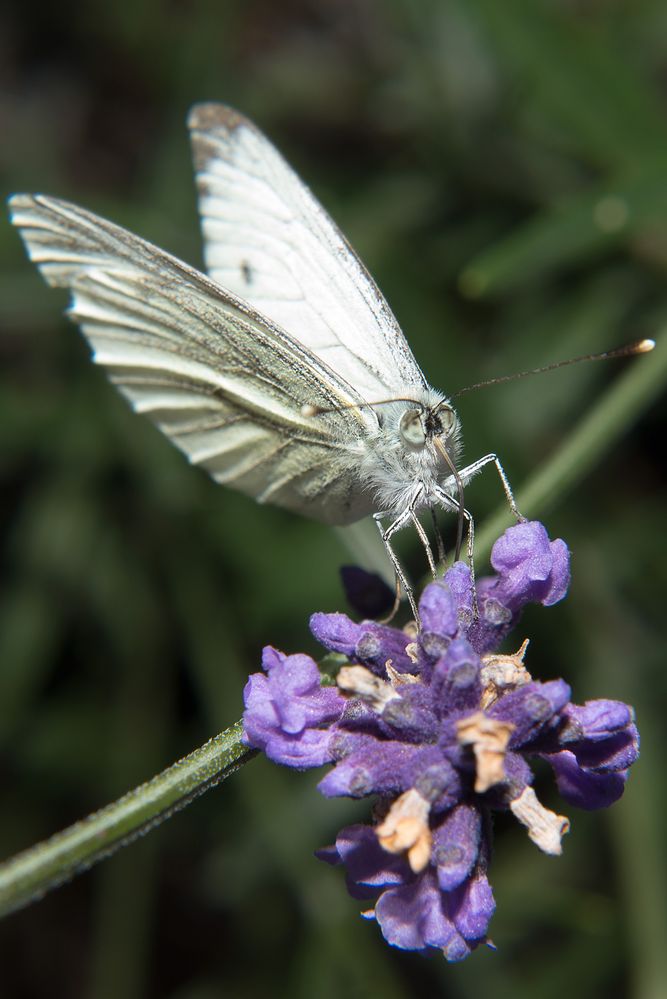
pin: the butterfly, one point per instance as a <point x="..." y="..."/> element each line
<point x="282" y="371"/>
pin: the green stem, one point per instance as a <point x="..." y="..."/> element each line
<point x="30" y="874"/>
<point x="595" y="435"/>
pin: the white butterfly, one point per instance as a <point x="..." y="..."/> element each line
<point x="272" y="373"/>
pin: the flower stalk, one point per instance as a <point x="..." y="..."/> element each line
<point x="30" y="874"/>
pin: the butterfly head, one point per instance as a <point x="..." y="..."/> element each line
<point x="425" y="422"/>
<point x="428" y="431"/>
<point x="414" y="453"/>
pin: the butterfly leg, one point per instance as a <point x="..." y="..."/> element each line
<point x="388" y="618"/>
<point x="470" y="537"/>
<point x="492" y="459"/>
<point x="470" y="552"/>
<point x="386" y="536"/>
<point x="425" y="542"/>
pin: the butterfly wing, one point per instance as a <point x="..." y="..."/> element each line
<point x="270" y="242"/>
<point x="223" y="382"/>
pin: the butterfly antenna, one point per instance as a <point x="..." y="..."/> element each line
<point x="629" y="350"/>
<point x="308" y="409"/>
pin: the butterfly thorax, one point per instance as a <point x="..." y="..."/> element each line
<point x="413" y="452"/>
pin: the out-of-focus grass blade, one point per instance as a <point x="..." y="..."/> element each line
<point x="577" y="77"/>
<point x="29" y="635"/>
<point x="578" y="227"/>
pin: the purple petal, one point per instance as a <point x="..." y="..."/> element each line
<point x="472" y="907"/>
<point x="460" y="582"/>
<point x="530" y="708"/>
<point x="446" y="610"/>
<point x="440" y="784"/>
<point x="456" y="843"/>
<point x="378" y="767"/>
<point x="365" y="861"/>
<point x="309" y="749"/>
<point x="330" y="855"/>
<point x="601" y="734"/>
<point x="597" y="719"/>
<point x="368" y="643"/>
<point x="410" y="717"/>
<point x="298" y="697"/>
<point x="530" y="567"/>
<point x="412" y="917"/>
<point x="438" y="610"/>
<point x="456" y="949"/>
<point x="284" y="709"/>
<point x="336" y="632"/>
<point x="583" y="789"/>
<point x="455" y="684"/>
<point x="609" y="755"/>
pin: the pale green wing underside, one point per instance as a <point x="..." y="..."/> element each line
<point x="222" y="381"/>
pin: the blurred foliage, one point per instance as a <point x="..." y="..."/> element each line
<point x="501" y="169"/>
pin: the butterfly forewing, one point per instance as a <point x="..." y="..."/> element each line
<point x="270" y="242"/>
<point x="222" y="381"/>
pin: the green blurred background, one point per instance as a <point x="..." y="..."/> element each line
<point x="502" y="169"/>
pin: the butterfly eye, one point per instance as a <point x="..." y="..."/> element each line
<point x="411" y="428"/>
<point x="447" y="419"/>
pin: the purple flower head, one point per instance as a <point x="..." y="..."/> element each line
<point x="440" y="729"/>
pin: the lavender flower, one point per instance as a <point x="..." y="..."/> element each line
<point x="439" y="727"/>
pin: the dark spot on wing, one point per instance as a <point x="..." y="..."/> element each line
<point x="246" y="272"/>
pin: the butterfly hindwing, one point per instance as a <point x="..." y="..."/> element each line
<point x="223" y="382"/>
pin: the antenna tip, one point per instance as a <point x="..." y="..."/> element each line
<point x="644" y="346"/>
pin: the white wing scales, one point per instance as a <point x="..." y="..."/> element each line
<point x="268" y="241"/>
<point x="223" y="382"/>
